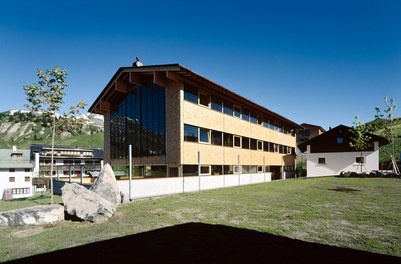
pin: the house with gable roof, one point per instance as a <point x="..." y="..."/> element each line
<point x="330" y="153"/>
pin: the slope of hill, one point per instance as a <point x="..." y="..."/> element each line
<point x="17" y="129"/>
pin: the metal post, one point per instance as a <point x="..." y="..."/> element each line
<point x="264" y="169"/>
<point x="130" y="171"/>
<point x="69" y="176"/>
<point x="239" y="172"/>
<point x="82" y="174"/>
<point x="199" y="169"/>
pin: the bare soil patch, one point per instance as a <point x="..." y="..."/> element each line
<point x="344" y="189"/>
<point x="28" y="232"/>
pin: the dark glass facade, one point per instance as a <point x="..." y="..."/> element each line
<point x="140" y="121"/>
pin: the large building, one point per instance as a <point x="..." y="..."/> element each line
<point x="182" y="124"/>
<point x="67" y="160"/>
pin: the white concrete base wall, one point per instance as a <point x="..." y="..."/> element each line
<point x="338" y="162"/>
<point x="164" y="186"/>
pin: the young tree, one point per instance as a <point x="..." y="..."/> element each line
<point x="360" y="138"/>
<point x="386" y="121"/>
<point x="46" y="97"/>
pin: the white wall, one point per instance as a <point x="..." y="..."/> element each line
<point x="20" y="182"/>
<point x="164" y="186"/>
<point x="340" y="161"/>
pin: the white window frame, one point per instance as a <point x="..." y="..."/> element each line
<point x="240" y="141"/>
<point x="205" y="166"/>
<point x="257" y="145"/>
<point x="240" y="111"/>
<point x="208" y="135"/>
<point x="237" y="169"/>
<point x="321" y="163"/>
<point x="199" y="100"/>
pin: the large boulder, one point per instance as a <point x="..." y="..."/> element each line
<point x="85" y="204"/>
<point x="34" y="215"/>
<point x="106" y="186"/>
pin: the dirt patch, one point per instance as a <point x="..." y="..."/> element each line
<point x="344" y="189"/>
<point x="28" y="232"/>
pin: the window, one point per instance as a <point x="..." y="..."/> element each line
<point x="360" y="160"/>
<point x="205" y="170"/>
<point x="27" y="170"/>
<point x="252" y="169"/>
<point x="281" y="148"/>
<point x="265" y="146"/>
<point x="253" y="118"/>
<point x="276" y="147"/>
<point x="237" y="141"/>
<point x="190" y="94"/>
<point x="228" y="169"/>
<point x="204" y="135"/>
<point x="217" y="169"/>
<point x="245" y="114"/>
<point x="245" y="169"/>
<point x="237" y="169"/>
<point x="228" y="140"/>
<point x="237" y="111"/>
<point x="190" y="133"/>
<point x="190" y="170"/>
<point x="253" y="143"/>
<point x="260" y="169"/>
<point x="204" y="99"/>
<point x="271" y="147"/>
<point x="11" y="179"/>
<point x="27" y="179"/>
<point x="228" y="108"/>
<point x="216" y="138"/>
<point x="217" y="104"/>
<point x="340" y="140"/>
<point x="321" y="161"/>
<point x="245" y="142"/>
<point x="260" y="120"/>
<point x="260" y="145"/>
<point x="21" y="191"/>
<point x="173" y="172"/>
<point x="11" y="170"/>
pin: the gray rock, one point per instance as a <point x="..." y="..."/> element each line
<point x="85" y="204"/>
<point x="35" y="215"/>
<point x="106" y="185"/>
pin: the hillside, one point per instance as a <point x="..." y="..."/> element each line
<point x="17" y="129"/>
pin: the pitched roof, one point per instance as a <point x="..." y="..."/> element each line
<point x="337" y="140"/>
<point x="310" y="125"/>
<point x="183" y="74"/>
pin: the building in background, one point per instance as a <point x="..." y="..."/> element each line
<point x="181" y="124"/>
<point x="308" y="131"/>
<point x="330" y="153"/>
<point x="15" y="173"/>
<point x="68" y="161"/>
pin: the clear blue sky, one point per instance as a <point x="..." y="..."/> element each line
<point x="319" y="62"/>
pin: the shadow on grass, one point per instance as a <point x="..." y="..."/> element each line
<point x="203" y="243"/>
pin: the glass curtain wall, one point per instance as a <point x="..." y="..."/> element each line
<point x="140" y="121"/>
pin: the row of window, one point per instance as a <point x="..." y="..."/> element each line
<point x="12" y="179"/>
<point x="359" y="160"/>
<point x="13" y="170"/>
<point x="87" y="153"/>
<point x="70" y="162"/>
<point x="192" y="170"/>
<point x="192" y="94"/>
<point x="208" y="136"/>
<point x="21" y="191"/>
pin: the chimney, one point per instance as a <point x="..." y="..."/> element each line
<point x="137" y="63"/>
<point x="14" y="148"/>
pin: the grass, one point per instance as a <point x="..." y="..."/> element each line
<point x="367" y="217"/>
<point x="39" y="198"/>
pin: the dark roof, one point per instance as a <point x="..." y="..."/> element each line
<point x="310" y="125"/>
<point x="37" y="148"/>
<point x="185" y="74"/>
<point x="327" y="142"/>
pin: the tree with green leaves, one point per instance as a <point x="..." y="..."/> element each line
<point x="46" y="98"/>
<point x="360" y="140"/>
<point x="386" y="120"/>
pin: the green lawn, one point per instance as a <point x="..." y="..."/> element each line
<point x="366" y="217"/>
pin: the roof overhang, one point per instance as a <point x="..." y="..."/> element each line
<point x="163" y="75"/>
